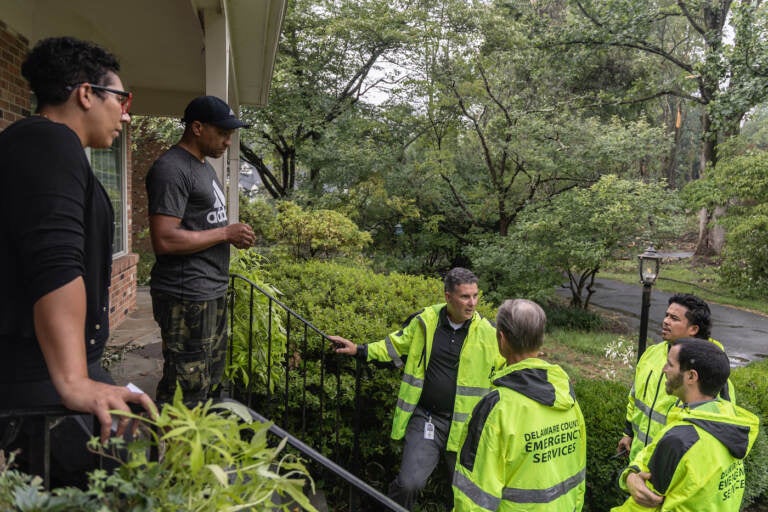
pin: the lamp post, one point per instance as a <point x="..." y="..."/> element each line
<point x="650" y="262"/>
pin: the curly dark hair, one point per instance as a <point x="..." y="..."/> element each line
<point x="698" y="312"/>
<point x="58" y="62"/>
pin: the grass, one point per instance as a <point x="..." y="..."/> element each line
<point x="686" y="276"/>
<point x="585" y="355"/>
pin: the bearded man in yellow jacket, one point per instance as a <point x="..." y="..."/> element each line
<point x="696" y="463"/>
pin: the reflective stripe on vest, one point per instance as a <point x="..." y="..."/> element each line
<point x="413" y="381"/>
<point x="471" y="390"/>
<point x="655" y="415"/>
<point x="392" y="353"/>
<point x="460" y="416"/>
<point x="478" y="496"/>
<point x="642" y="436"/>
<point x="544" y="495"/>
<point x="405" y="406"/>
<point x="490" y="502"/>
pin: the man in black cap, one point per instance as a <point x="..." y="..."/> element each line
<point x="191" y="236"/>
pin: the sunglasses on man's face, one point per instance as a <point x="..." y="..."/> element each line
<point x="124" y="97"/>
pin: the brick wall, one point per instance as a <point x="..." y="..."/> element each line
<point x="147" y="151"/>
<point x="15" y="104"/>
<point x="122" y="293"/>
<point x="15" y="98"/>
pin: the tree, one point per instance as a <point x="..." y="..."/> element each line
<point x="527" y="138"/>
<point x="574" y="233"/>
<point x="328" y="50"/>
<point x="725" y="75"/>
<point x="741" y="180"/>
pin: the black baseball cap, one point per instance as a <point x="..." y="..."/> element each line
<point x="212" y="110"/>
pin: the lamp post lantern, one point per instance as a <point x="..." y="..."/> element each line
<point x="650" y="262"/>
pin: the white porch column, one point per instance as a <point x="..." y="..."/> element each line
<point x="218" y="83"/>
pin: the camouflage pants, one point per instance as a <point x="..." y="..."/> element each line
<point x="194" y="335"/>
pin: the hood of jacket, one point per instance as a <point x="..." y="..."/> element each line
<point x="543" y="382"/>
<point x="733" y="426"/>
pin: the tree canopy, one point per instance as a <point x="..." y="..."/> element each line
<point x="447" y="130"/>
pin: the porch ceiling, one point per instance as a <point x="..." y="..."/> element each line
<point x="161" y="43"/>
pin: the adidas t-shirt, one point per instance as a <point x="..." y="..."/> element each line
<point x="181" y="186"/>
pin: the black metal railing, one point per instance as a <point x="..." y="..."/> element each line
<point x="330" y="466"/>
<point x="300" y="385"/>
<point x="36" y="434"/>
<point x="292" y="376"/>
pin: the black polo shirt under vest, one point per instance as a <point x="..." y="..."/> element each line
<point x="439" y="390"/>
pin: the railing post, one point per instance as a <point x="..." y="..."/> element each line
<point x="355" y="467"/>
<point x="287" y="369"/>
<point x="231" y="340"/>
<point x="270" y="409"/>
<point x="249" y="392"/>
<point x="304" y="381"/>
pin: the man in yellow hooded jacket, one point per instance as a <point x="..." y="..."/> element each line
<point x="450" y="353"/>
<point x="686" y="316"/>
<point x="524" y="447"/>
<point x="696" y="464"/>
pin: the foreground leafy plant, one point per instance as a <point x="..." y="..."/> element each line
<point x="211" y="458"/>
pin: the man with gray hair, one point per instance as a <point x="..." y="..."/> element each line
<point x="451" y="353"/>
<point x="525" y="442"/>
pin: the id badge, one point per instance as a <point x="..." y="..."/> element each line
<point x="429" y="430"/>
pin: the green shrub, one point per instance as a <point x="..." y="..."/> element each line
<point x="603" y="404"/>
<point x="304" y="234"/>
<point x="261" y="215"/>
<point x="353" y="301"/>
<point x="751" y="383"/>
<point x="144" y="267"/>
<point x="578" y="319"/>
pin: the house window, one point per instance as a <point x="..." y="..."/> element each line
<point x="108" y="165"/>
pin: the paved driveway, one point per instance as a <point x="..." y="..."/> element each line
<point x="744" y="334"/>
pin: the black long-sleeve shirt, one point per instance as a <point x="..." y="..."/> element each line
<point x="56" y="224"/>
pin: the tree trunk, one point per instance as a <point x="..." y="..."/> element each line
<point x="711" y="235"/>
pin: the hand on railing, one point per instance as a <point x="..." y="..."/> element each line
<point x="343" y="346"/>
<point x="99" y="399"/>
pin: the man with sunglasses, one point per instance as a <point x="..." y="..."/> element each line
<point x="56" y="248"/>
<point x="191" y="236"/>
